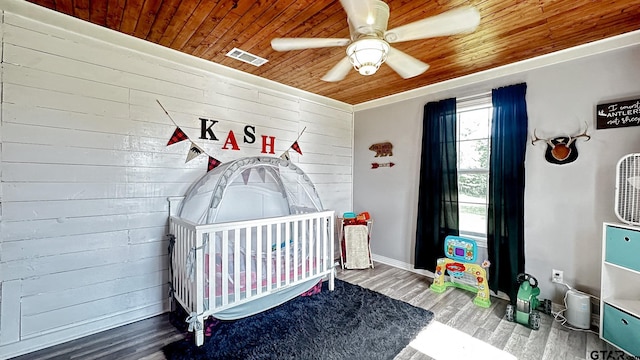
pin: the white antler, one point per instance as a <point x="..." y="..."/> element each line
<point x="535" y="138"/>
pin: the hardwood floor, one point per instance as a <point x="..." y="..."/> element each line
<point x="454" y="308"/>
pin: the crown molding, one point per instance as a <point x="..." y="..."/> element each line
<point x="577" y="52"/>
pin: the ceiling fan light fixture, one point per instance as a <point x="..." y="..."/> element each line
<point x="366" y="55"/>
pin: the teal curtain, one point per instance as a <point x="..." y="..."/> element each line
<point x="438" y="192"/>
<point x="505" y="228"/>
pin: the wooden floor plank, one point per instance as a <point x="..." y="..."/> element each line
<point x="145" y="339"/>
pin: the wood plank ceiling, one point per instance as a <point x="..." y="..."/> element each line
<point x="509" y="31"/>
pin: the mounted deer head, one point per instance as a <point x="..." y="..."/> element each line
<point x="561" y="149"/>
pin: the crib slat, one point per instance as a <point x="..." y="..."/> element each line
<point x="174" y="259"/>
<point x="330" y="266"/>
<point x="278" y="253"/>
<point x="186" y="284"/>
<point x="248" y="266"/>
<point x="191" y="282"/>
<point x="177" y="263"/>
<point x="211" y="251"/>
<point x="319" y="223"/>
<point x="287" y="259"/>
<point x="199" y="272"/>
<point x="224" y="276"/>
<point x="183" y="269"/>
<point x="269" y="273"/>
<point x="313" y="241"/>
<point x="174" y="266"/>
<point x="330" y="239"/>
<point x="199" y="284"/>
<point x="187" y="288"/>
<point x="182" y="257"/>
<point x="295" y="250"/>
<point x="259" y="260"/>
<point x="236" y="265"/>
<point x="191" y="288"/>
<point x="305" y="243"/>
<point x="324" y="249"/>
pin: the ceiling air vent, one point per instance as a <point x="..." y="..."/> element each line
<point x="246" y="57"/>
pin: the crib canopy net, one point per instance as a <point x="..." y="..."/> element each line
<point x="250" y="188"/>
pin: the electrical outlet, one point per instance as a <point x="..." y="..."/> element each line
<point x="557" y="276"/>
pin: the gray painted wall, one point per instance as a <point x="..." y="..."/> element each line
<point x="564" y="205"/>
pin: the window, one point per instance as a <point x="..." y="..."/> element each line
<point x="473" y="146"/>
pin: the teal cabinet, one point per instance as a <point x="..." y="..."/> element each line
<point x="621" y="329"/>
<point x="620" y="284"/>
<point x="623" y="247"/>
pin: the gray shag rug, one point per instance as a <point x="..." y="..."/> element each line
<point x="350" y="322"/>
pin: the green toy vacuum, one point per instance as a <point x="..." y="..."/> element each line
<point x="527" y="307"/>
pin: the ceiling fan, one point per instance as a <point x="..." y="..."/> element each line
<point x="369" y="46"/>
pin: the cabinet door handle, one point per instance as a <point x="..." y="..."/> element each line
<point x="624" y="321"/>
<point x="626" y="238"/>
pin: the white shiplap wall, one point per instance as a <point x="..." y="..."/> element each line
<point x="86" y="171"/>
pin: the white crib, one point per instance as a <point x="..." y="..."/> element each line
<point x="236" y="269"/>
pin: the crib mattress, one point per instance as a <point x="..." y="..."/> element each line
<point x="309" y="264"/>
<point x="263" y="303"/>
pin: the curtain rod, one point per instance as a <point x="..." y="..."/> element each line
<point x="474" y="97"/>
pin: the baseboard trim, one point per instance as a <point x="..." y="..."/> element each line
<point x="401" y="265"/>
<point x="70" y="333"/>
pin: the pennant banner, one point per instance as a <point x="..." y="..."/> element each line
<point x="261" y="172"/>
<point x="245" y="175"/>
<point x="194" y="152"/>
<point x="213" y="163"/>
<point x="178" y="135"/>
<point x="194" y="149"/>
<point x="296" y="147"/>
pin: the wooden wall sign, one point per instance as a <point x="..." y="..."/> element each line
<point x="382" y="149"/>
<point x="379" y="165"/>
<point x="618" y="114"/>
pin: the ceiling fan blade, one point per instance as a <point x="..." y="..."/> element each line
<point x="286" y="44"/>
<point x="339" y="71"/>
<point x="366" y="16"/>
<point x="461" y="20"/>
<point x="405" y="65"/>
<point x="359" y="12"/>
